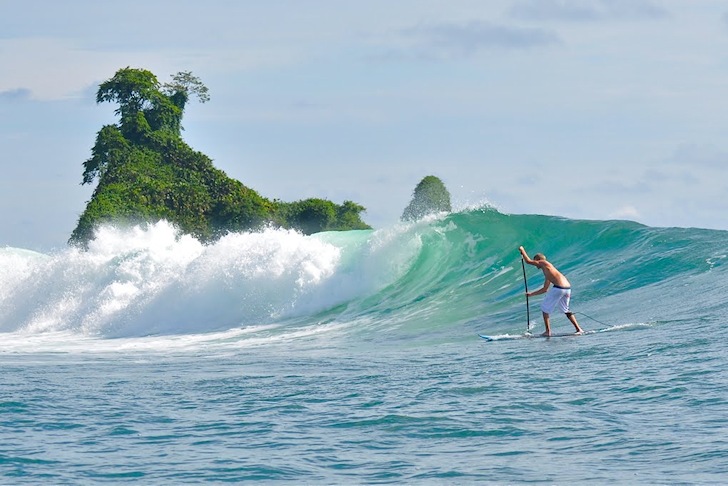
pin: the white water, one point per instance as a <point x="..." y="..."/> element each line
<point x="153" y="280"/>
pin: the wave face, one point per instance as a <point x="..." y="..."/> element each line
<point x="436" y="279"/>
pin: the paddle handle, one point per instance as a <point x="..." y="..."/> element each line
<point x="528" y="309"/>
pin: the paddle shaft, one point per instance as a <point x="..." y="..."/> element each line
<point x="528" y="309"/>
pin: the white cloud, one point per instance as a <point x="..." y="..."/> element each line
<point x="15" y="94"/>
<point x="587" y="10"/>
<point x="459" y="40"/>
<point x="697" y="155"/>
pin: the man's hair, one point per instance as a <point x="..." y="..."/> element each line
<point x="539" y="256"/>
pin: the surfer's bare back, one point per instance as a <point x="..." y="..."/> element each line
<point x="558" y="295"/>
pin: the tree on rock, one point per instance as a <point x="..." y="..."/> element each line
<point x="146" y="172"/>
<point x="430" y="196"/>
<point x="147" y="110"/>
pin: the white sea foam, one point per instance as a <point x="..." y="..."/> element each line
<point x="152" y="280"/>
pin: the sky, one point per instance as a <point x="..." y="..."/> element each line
<point x="586" y="109"/>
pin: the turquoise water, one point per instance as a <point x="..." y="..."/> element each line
<point x="353" y="358"/>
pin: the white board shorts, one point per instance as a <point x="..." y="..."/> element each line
<point x="556" y="297"/>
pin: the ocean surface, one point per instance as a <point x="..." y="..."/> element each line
<point x="354" y="358"/>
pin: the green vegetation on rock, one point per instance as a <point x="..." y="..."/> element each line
<point x="146" y="172"/>
<point x="430" y="196"/>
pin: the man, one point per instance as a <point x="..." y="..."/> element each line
<point x="558" y="295"/>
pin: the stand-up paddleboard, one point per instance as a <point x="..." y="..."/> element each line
<point x="528" y="335"/>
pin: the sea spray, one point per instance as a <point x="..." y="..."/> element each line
<point x="153" y="280"/>
<point x="142" y="281"/>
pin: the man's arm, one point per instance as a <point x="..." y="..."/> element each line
<point x="528" y="260"/>
<point x="542" y="290"/>
<point x="526" y="257"/>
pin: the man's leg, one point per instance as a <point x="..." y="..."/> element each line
<point x="547" y="323"/>
<point x="570" y="316"/>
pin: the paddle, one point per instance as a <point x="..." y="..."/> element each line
<point x="528" y="310"/>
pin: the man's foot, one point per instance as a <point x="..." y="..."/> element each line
<point x="579" y="332"/>
<point x="546" y="334"/>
